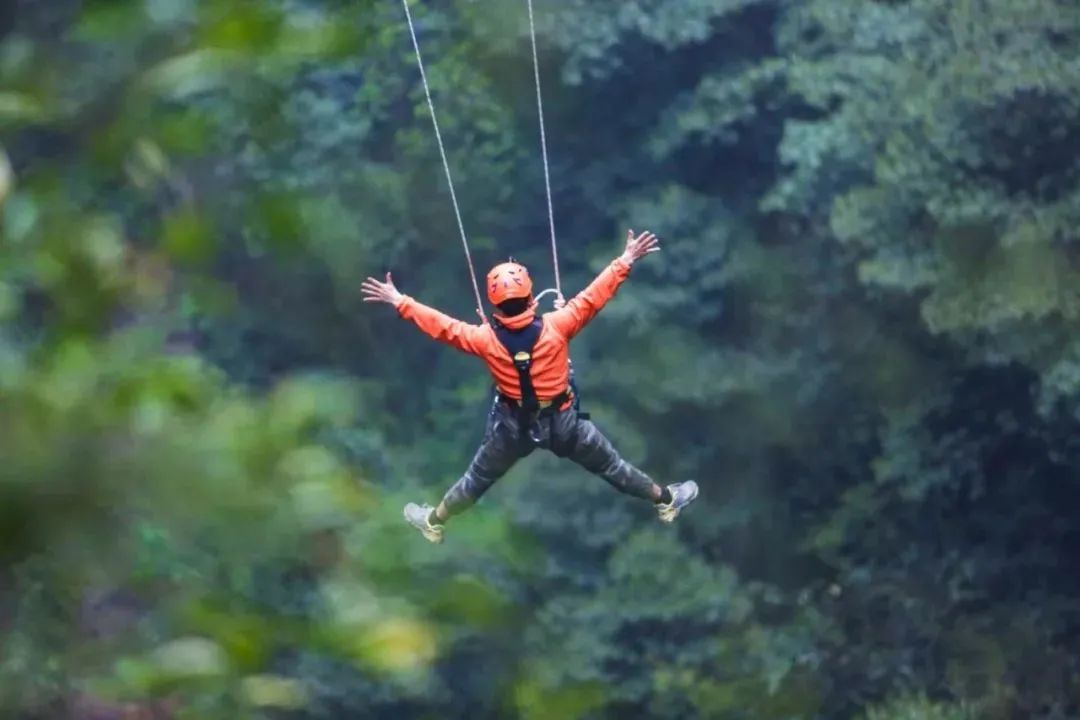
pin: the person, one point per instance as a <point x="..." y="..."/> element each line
<point x="528" y="356"/>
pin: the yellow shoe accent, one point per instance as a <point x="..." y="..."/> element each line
<point x="667" y="512"/>
<point x="682" y="494"/>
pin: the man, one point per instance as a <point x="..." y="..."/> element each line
<point x="529" y="359"/>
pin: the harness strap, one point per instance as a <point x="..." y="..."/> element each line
<point x="523" y="363"/>
<point x="556" y="403"/>
<point x="519" y="344"/>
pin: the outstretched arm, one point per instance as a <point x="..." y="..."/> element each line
<point x="442" y="327"/>
<point x="574" y="315"/>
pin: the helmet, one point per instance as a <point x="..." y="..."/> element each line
<point x="508" y="281"/>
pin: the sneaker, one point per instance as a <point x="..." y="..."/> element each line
<point x="682" y="494"/>
<point x="417" y="516"/>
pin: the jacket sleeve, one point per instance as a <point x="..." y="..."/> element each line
<point x="461" y="335"/>
<point x="577" y="313"/>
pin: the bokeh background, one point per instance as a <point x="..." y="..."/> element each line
<point x="860" y="339"/>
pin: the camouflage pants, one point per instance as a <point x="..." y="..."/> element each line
<point x="563" y="433"/>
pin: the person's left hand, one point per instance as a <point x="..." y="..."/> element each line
<point x="560" y="302"/>
<point x="375" y="291"/>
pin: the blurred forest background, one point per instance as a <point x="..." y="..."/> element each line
<point x="860" y="338"/>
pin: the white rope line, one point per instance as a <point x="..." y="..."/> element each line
<point x="543" y="148"/>
<point x="445" y="162"/>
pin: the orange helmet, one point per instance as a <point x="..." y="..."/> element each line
<point x="508" y="281"/>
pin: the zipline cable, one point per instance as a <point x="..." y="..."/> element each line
<point x="445" y="162"/>
<point x="543" y="149"/>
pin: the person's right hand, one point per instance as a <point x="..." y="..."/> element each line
<point x="640" y="246"/>
<point x="375" y="291"/>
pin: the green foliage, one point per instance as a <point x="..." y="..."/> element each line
<point x="958" y="187"/>
<point x="919" y="708"/>
<point x="859" y="339"/>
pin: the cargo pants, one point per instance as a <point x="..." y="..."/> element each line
<point x="564" y="433"/>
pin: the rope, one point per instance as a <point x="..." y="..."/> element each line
<point x="445" y="162"/>
<point x="543" y="148"/>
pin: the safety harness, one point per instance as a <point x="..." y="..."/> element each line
<point x="519" y="344"/>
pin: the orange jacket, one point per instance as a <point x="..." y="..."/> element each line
<point x="551" y="355"/>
